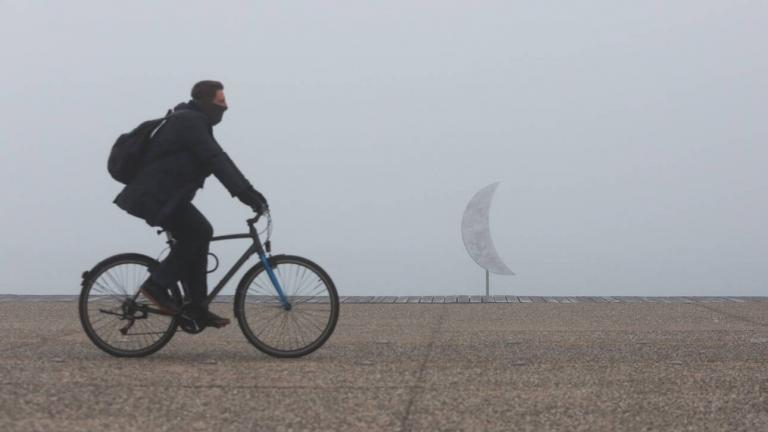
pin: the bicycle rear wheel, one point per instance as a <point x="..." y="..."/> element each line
<point x="118" y="319"/>
<point x="282" y="332"/>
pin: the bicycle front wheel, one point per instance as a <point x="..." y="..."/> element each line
<point x="287" y="332"/>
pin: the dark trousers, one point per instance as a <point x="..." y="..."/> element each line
<point x="188" y="259"/>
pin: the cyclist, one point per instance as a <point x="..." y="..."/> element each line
<point x="183" y="152"/>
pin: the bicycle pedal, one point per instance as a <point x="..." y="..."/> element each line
<point x="190" y="325"/>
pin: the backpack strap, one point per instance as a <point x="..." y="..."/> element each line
<point x="168" y="115"/>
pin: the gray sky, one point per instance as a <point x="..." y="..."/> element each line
<point x="629" y="137"/>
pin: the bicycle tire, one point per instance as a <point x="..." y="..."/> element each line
<point x="92" y="278"/>
<point x="306" y="303"/>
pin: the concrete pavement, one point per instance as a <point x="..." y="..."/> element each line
<point x="406" y="367"/>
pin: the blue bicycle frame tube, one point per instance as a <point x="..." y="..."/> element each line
<point x="273" y="278"/>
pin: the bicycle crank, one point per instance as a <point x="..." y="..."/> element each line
<point x="187" y="323"/>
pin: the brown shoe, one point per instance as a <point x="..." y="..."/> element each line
<point x="159" y="296"/>
<point x="213" y="320"/>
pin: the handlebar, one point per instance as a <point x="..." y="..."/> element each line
<point x="252" y="222"/>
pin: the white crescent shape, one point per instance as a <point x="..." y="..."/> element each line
<point x="476" y="232"/>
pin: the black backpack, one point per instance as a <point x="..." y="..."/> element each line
<point x="127" y="154"/>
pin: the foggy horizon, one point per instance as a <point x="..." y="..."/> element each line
<point x="629" y="139"/>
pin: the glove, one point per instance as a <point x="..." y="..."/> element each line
<point x="253" y="199"/>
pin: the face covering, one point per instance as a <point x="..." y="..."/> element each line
<point x="214" y="111"/>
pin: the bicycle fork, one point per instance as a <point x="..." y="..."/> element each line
<point x="276" y="283"/>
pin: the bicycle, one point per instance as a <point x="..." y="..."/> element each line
<point x="285" y="305"/>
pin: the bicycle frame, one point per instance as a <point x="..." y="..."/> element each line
<point x="255" y="248"/>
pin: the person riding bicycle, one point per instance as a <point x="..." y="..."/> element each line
<point x="182" y="154"/>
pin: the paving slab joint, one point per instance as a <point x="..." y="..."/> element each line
<point x="418" y="387"/>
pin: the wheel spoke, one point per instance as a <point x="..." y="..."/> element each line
<point x="110" y="304"/>
<point x="305" y="325"/>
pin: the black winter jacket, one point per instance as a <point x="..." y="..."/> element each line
<point x="182" y="154"/>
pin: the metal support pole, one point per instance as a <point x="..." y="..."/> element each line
<point x="487" y="283"/>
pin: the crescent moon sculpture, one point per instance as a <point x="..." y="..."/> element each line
<point x="476" y="234"/>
